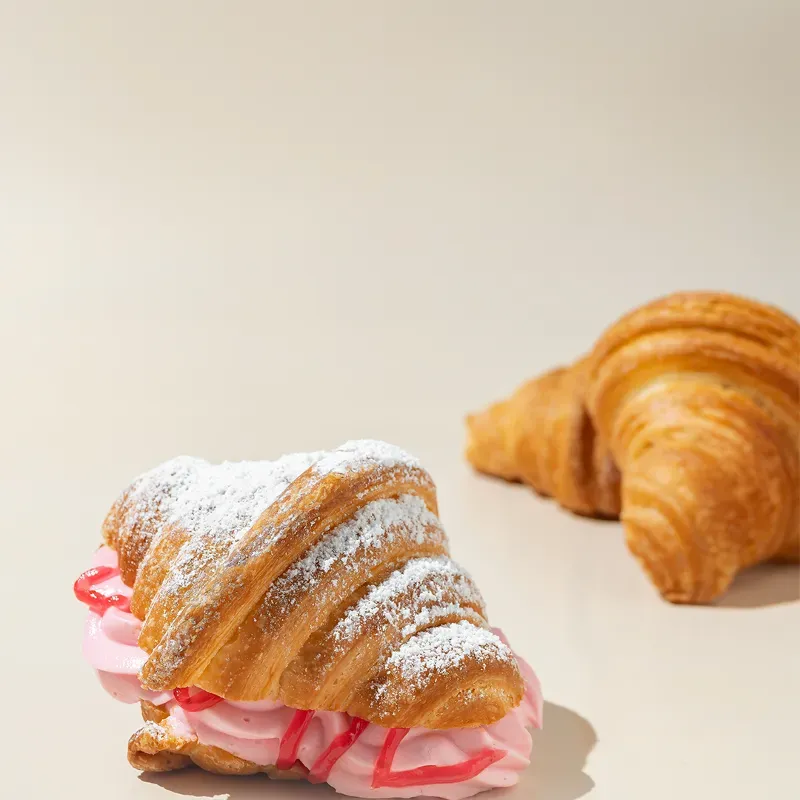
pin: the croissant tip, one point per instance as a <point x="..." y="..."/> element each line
<point x="485" y="446"/>
<point x="670" y="569"/>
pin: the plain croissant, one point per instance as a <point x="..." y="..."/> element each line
<point x="684" y="418"/>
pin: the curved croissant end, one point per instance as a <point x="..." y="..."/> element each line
<point x="698" y="397"/>
<point x="301" y="605"/>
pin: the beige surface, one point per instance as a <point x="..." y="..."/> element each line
<point x="238" y="229"/>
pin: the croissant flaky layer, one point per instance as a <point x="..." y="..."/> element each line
<point x="320" y="580"/>
<point x="684" y="419"/>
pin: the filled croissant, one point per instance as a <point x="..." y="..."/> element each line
<point x="302" y="618"/>
<point x="684" y="419"/>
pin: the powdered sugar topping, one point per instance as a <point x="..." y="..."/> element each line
<point x="215" y="504"/>
<point x="154" y="493"/>
<point x="434" y="582"/>
<point x="371" y="528"/>
<point x="223" y="501"/>
<point x="438" y="650"/>
<point x="356" y="454"/>
<point x="231" y="496"/>
<point x="214" y="498"/>
<point x="220" y="505"/>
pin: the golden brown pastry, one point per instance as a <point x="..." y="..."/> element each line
<point x="696" y="399"/>
<point x="569" y="463"/>
<point x="302" y="618"/>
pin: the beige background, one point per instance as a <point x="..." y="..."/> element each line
<point x="237" y="229"/>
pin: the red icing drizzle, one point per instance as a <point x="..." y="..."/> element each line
<point x="336" y="749"/>
<point x="419" y="776"/>
<point x="290" y="743"/>
<point x="198" y="700"/>
<point x="97" y="601"/>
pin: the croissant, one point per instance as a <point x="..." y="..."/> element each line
<point x="302" y="618"/>
<point x="694" y="400"/>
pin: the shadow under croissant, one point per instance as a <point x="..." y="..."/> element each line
<point x="559" y="754"/>
<point x="195" y="782"/>
<point x="768" y="584"/>
<point x="560" y="750"/>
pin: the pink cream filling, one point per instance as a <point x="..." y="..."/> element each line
<point x="254" y="731"/>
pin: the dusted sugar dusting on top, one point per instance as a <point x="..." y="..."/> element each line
<point x="356" y="454"/>
<point x="433" y="581"/>
<point x="371" y="528"/>
<point x="231" y="496"/>
<point x="197" y="495"/>
<point x="153" y="494"/>
<point x="220" y="506"/>
<point x="215" y="504"/>
<point x="219" y="498"/>
<point x="438" y="650"/>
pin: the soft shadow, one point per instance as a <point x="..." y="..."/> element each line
<point x="559" y="756"/>
<point x="556" y="772"/>
<point x="194" y="782"/>
<point x="763" y="585"/>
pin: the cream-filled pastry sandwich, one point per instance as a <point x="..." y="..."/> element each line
<point x="302" y="618"/>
